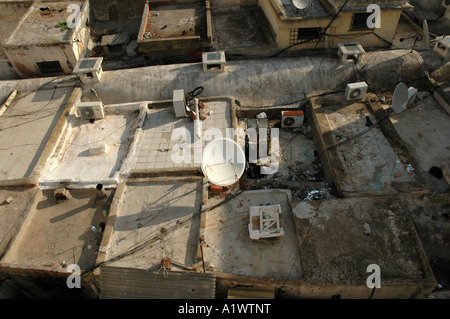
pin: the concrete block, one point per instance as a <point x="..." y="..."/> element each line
<point x="214" y="62"/>
<point x="442" y="46"/>
<point x="89" y="70"/>
<point x="348" y="50"/>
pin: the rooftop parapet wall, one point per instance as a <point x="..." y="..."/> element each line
<point x="175" y="27"/>
<point x="262" y="82"/>
<point x="333" y="6"/>
<point x="124" y="9"/>
<point x="38" y="25"/>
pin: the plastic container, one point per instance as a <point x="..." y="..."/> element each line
<point x="261" y="115"/>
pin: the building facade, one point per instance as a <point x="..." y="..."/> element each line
<point x="44" y="43"/>
<point x="325" y="23"/>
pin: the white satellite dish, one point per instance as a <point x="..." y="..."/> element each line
<point x="301" y="4"/>
<point x="426" y="34"/>
<point x="412" y="93"/>
<point x="400" y="98"/>
<point x="223" y="162"/>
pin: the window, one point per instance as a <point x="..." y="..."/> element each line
<point x="359" y="22"/>
<point x="50" y="67"/>
<point x="301" y="34"/>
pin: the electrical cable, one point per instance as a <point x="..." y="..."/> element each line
<point x="332" y="20"/>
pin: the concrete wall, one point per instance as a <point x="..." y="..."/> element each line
<point x="254" y="82"/>
<point x="232" y="3"/>
<point x="311" y="290"/>
<point x="261" y="82"/>
<point x="23" y="58"/>
<point x="339" y="30"/>
<point x="10" y="14"/>
<point x="6" y="70"/>
<point x="117" y="9"/>
<point x="36" y="282"/>
<point x="123" y="9"/>
<point x="430" y="5"/>
<point x="273" y="18"/>
<point x="173" y="44"/>
<point x="333" y="6"/>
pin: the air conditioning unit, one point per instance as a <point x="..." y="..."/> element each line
<point x="179" y="103"/>
<point x="292" y="119"/>
<point x="91" y="110"/>
<point x="356" y="91"/>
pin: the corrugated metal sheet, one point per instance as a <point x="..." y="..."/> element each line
<point x="124" y="283"/>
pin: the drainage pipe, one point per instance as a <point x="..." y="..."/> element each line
<point x="101" y="191"/>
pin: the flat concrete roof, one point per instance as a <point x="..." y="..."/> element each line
<point x="162" y="137"/>
<point x="357" y="156"/>
<point x="39" y="24"/>
<point x="238" y="28"/>
<point x="30" y="119"/>
<point x="340" y="238"/>
<point x="428" y="140"/>
<point x="156" y="217"/>
<point x="153" y="220"/>
<point x="230" y="250"/>
<point x="57" y="232"/>
<point x="176" y="20"/>
<point x="261" y="82"/>
<point x="13" y="213"/>
<point x="431" y="219"/>
<point x="92" y="153"/>
<point x="10" y="14"/>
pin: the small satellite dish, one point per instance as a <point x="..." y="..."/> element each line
<point x="301" y="4"/>
<point x="400" y="98"/>
<point x="412" y="93"/>
<point x="223" y="162"/>
<point x="426" y="34"/>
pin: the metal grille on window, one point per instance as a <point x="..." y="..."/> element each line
<point x="49" y="67"/>
<point x="359" y="22"/>
<point x="302" y="34"/>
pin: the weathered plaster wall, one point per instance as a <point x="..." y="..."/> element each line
<point x="232" y="3"/>
<point x="339" y="31"/>
<point x="261" y="82"/>
<point x="304" y="289"/>
<point x="23" y="58"/>
<point x="342" y="25"/>
<point x="10" y="14"/>
<point x="430" y="5"/>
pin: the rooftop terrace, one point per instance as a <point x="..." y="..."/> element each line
<point x="44" y="23"/>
